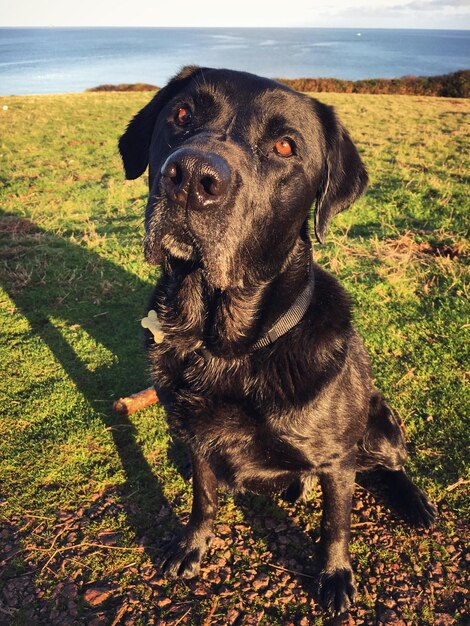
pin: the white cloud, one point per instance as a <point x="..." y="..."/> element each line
<point x="263" y="13"/>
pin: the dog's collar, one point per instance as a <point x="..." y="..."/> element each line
<point x="291" y="317"/>
<point x="283" y="324"/>
<point x="287" y="321"/>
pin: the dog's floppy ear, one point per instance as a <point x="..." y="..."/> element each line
<point x="134" y="145"/>
<point x="344" y="176"/>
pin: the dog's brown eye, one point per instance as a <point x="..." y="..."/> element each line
<point x="184" y="116"/>
<point x="284" y="147"/>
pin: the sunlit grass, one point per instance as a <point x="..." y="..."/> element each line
<point x="75" y="285"/>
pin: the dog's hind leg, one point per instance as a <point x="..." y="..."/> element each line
<point x="183" y="557"/>
<point x="383" y="443"/>
<point x="383" y="449"/>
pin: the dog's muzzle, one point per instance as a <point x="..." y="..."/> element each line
<point x="195" y="179"/>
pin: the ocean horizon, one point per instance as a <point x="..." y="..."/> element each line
<point x="72" y="59"/>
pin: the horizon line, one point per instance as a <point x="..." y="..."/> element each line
<point x="364" y="28"/>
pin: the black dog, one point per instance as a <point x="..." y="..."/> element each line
<point x="261" y="372"/>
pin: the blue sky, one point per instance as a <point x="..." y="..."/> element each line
<point x="261" y="13"/>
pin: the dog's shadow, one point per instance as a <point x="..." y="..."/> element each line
<point x="294" y="549"/>
<point x="58" y="285"/>
<point x="272" y="524"/>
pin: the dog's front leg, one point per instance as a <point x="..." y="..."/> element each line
<point x="183" y="558"/>
<point x="336" y="588"/>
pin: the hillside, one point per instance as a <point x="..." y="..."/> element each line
<point x="89" y="499"/>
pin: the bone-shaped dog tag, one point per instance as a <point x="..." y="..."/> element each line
<point x="151" y="322"/>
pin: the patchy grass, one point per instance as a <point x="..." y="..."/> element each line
<point x="89" y="499"/>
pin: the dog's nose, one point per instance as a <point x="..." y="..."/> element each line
<point x="195" y="178"/>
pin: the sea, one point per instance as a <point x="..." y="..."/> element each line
<point x="60" y="60"/>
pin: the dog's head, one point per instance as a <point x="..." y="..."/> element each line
<point x="235" y="164"/>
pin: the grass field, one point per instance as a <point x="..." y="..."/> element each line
<point x="88" y="500"/>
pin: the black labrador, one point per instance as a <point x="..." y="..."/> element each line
<point x="260" y="370"/>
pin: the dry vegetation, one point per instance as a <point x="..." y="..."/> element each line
<point x="454" y="85"/>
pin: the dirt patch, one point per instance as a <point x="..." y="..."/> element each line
<point x="14" y="278"/>
<point x="407" y="244"/>
<point x="12" y="252"/>
<point x="422" y="581"/>
<point x="16" y="226"/>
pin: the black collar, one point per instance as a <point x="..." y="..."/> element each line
<point x="291" y="317"/>
<point x="286" y="321"/>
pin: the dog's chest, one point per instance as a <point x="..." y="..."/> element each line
<point x="241" y="446"/>
<point x="247" y="447"/>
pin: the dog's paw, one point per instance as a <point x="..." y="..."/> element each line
<point x="418" y="510"/>
<point x="336" y="590"/>
<point x="407" y="499"/>
<point x="183" y="557"/>
<point x="412" y="503"/>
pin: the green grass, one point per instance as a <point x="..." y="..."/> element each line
<point x="74" y="286"/>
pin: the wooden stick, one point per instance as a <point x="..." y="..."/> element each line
<point x="459" y="483"/>
<point x="136" y="402"/>
<point x="208" y="619"/>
